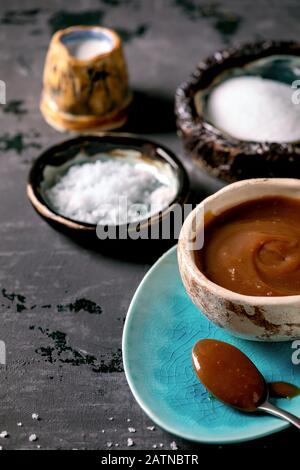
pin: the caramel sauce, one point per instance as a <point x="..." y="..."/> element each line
<point x="228" y="374"/>
<point x="254" y="248"/>
<point x="283" y="390"/>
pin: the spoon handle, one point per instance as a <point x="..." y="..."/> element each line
<point x="275" y="411"/>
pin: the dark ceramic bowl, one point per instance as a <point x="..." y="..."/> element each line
<point x="222" y="155"/>
<point x="90" y="145"/>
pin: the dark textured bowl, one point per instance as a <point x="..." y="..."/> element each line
<point x="91" y="145"/>
<point x="221" y="155"/>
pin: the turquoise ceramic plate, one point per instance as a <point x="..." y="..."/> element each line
<point x="161" y="327"/>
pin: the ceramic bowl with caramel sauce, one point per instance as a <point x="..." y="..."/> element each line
<point x="246" y="276"/>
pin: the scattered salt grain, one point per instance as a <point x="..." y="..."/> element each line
<point x="128" y="420"/>
<point x="173" y="445"/>
<point x="161" y="444"/>
<point x="1" y="448"/>
<point x="131" y="429"/>
<point x="103" y="431"/>
<point x="111" y="418"/>
<point x="4" y="434"/>
<point x="35" y="416"/>
<point x="109" y="444"/>
<point x="32" y="437"/>
<point x="130" y="442"/>
<point x="116" y="444"/>
<point x="151" y="428"/>
<point x="154" y="446"/>
<point x="20" y="425"/>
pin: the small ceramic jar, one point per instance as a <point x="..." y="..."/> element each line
<point x="85" y="80"/>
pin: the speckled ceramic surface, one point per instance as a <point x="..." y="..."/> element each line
<point x="161" y="327"/>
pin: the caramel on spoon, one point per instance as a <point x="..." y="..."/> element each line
<point x="231" y="376"/>
<point x="283" y="390"/>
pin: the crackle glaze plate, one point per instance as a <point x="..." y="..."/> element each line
<point x="161" y="327"/>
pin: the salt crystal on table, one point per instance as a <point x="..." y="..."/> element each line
<point x="131" y="429"/>
<point x="109" y="444"/>
<point x="32" y="437"/>
<point x="151" y="428"/>
<point x="173" y="446"/>
<point x="130" y="442"/>
<point x="4" y="434"/>
<point x="35" y="416"/>
<point x="19" y="424"/>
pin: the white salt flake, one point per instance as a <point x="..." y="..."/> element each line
<point x="35" y="416"/>
<point x="1" y="448"/>
<point x="32" y="437"/>
<point x="154" y="446"/>
<point x="173" y="445"/>
<point x="20" y="424"/>
<point x="111" y="191"/>
<point x="4" y="434"/>
<point x="111" y="418"/>
<point x="109" y="444"/>
<point x="257" y="109"/>
<point x="128" y="420"/>
<point x="130" y="442"/>
<point x="131" y="429"/>
<point x="151" y="428"/>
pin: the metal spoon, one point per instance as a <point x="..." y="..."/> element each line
<point x="232" y="378"/>
<point x="278" y="412"/>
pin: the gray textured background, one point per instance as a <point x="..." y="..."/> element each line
<point x="42" y="272"/>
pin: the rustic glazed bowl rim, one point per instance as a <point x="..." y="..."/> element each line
<point x="125" y="139"/>
<point x="194" y="270"/>
<point x="191" y="122"/>
<point x="114" y="37"/>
